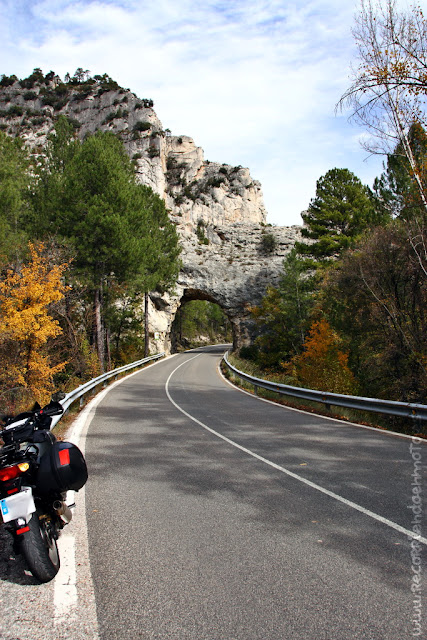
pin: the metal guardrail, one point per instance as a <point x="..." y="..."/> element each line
<point x="390" y="407"/>
<point x="81" y="391"/>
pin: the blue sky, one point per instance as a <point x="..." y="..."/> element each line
<point x="253" y="82"/>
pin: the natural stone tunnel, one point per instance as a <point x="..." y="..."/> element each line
<point x="177" y="337"/>
<point x="231" y="271"/>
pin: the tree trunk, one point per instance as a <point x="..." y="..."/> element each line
<point x="98" y="331"/>
<point x="146" y="332"/>
<point x="107" y="346"/>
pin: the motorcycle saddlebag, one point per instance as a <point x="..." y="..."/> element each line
<point x="62" y="467"/>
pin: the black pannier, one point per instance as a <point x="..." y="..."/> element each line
<point x="62" y="467"/>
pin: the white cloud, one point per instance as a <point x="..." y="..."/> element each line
<point x="253" y="82"/>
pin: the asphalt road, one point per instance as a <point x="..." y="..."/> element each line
<point x="197" y="530"/>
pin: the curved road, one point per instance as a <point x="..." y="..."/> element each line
<point x="197" y="530"/>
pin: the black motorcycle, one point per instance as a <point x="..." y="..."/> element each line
<point x="36" y="471"/>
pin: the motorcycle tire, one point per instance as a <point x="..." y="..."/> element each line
<point x="40" y="550"/>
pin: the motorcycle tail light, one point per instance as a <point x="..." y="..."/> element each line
<point x="22" y="530"/>
<point x="64" y="457"/>
<point x="10" y="473"/>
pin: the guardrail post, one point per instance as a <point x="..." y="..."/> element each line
<point x="326" y="403"/>
<point x="255" y="389"/>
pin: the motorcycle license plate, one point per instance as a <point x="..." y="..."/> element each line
<point x="20" y="505"/>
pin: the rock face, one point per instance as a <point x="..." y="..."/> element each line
<point x="218" y="209"/>
<point x="233" y="270"/>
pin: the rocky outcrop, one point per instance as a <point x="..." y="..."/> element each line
<point x="173" y="166"/>
<point x="218" y="209"/>
<point x="233" y="269"/>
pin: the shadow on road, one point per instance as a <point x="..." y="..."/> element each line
<point x="172" y="450"/>
<point x="12" y="565"/>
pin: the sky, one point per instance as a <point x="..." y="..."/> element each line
<point x="253" y="82"/>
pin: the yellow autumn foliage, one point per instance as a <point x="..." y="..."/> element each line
<point x="322" y="365"/>
<point x="26" y="324"/>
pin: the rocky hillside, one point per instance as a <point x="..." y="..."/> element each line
<point x="229" y="256"/>
<point x="194" y="188"/>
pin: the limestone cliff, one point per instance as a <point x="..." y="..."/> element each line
<point x="194" y="188"/>
<point x="218" y="209"/>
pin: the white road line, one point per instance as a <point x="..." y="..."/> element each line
<point x="65" y="591"/>
<point x="317" y="487"/>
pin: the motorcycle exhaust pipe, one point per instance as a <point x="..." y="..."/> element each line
<point x="63" y="511"/>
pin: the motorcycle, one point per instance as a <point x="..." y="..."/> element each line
<point x="36" y="472"/>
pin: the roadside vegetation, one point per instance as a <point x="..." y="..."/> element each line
<point x="82" y="245"/>
<point x="349" y="315"/>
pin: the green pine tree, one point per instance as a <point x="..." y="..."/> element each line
<point x="342" y="208"/>
<point x="14" y="189"/>
<point x="119" y="231"/>
<point x="396" y="190"/>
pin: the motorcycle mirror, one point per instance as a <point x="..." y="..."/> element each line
<point x="53" y="409"/>
<point x="58" y="396"/>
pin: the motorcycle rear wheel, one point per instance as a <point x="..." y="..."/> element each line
<point x="40" y="550"/>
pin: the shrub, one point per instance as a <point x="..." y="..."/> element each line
<point x="200" y="233"/>
<point x="142" y="126"/>
<point x="188" y="193"/>
<point x="322" y="365"/>
<point x="49" y="77"/>
<point x="36" y="76"/>
<point x="76" y="124"/>
<point x="175" y="172"/>
<point x="15" y="111"/>
<point x="113" y="115"/>
<point x="82" y="93"/>
<point x="268" y="243"/>
<point x="56" y="98"/>
<point x="30" y="95"/>
<point x="38" y="120"/>
<point x="106" y="84"/>
<point x="215" y="182"/>
<point x="7" y="81"/>
<point x="249" y="352"/>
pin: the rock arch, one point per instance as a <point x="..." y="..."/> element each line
<point x="190" y="295"/>
<point x="231" y="270"/>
